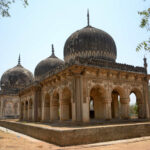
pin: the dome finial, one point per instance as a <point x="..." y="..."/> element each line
<point x="53" y="53"/>
<point x="88" y="18"/>
<point x="53" y="49"/>
<point x="19" y="60"/>
<point x="145" y="63"/>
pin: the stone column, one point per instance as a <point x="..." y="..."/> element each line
<point x="43" y="109"/>
<point x="33" y="109"/>
<point x="24" y="111"/>
<point x="107" y="109"/>
<point x="124" y="108"/>
<point x="37" y="103"/>
<point x="140" y="109"/>
<point x="77" y="97"/>
<point x="86" y="110"/>
<point x="146" y="100"/>
<point x="73" y="111"/>
<point x="30" y="109"/>
<point x="20" y="110"/>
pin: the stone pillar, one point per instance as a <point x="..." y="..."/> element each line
<point x="20" y="110"/>
<point x="43" y="109"/>
<point x="146" y="100"/>
<point x="107" y="109"/>
<point x="37" y="104"/>
<point x="30" y="109"/>
<point x="24" y="111"/>
<point x="78" y="96"/>
<point x="33" y="110"/>
<point x="140" y="109"/>
<point x="86" y="110"/>
<point x="124" y="108"/>
<point x="73" y="111"/>
<point x="39" y="111"/>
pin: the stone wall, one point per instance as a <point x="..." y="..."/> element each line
<point x="83" y="135"/>
<point x="9" y="106"/>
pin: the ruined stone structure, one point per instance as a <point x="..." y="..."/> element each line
<point x="12" y="81"/>
<point x="88" y="84"/>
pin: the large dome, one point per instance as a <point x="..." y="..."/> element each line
<point x="16" y="78"/>
<point x="90" y="42"/>
<point x="47" y="65"/>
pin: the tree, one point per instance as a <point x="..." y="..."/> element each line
<point x="145" y="24"/>
<point x="5" y="6"/>
<point x="133" y="109"/>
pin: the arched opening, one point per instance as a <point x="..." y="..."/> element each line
<point x="26" y="110"/>
<point x="47" y="108"/>
<point x="55" y="108"/>
<point x="9" y="110"/>
<point x="66" y="107"/>
<point x="96" y="106"/>
<point x="136" y="104"/>
<point x="92" y="114"/>
<point x="16" y="109"/>
<point x="22" y="111"/>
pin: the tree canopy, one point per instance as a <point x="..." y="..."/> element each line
<point x="5" y="6"/>
<point x="145" y="24"/>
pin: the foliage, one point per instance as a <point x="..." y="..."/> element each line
<point x="5" y="7"/>
<point x="134" y="109"/>
<point x="145" y="24"/>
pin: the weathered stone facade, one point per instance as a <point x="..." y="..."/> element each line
<point x="9" y="106"/>
<point x="66" y="94"/>
<point x="88" y="85"/>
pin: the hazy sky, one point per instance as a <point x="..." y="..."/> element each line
<point x="31" y="31"/>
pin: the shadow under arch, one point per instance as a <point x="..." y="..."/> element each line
<point x="66" y="105"/>
<point x="96" y="105"/>
<point x="116" y="94"/>
<point x="55" y="106"/>
<point x="30" y="109"/>
<point x="47" y="107"/>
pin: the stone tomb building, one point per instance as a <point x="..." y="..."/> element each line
<point x="89" y="84"/>
<point x="12" y="81"/>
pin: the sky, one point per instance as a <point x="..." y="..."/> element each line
<point x="31" y="31"/>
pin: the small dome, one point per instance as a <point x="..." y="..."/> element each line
<point x="47" y="65"/>
<point x="16" y="78"/>
<point x="90" y="42"/>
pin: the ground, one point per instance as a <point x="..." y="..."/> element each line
<point x="15" y="141"/>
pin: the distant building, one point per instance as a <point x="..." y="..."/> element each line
<point x="12" y="81"/>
